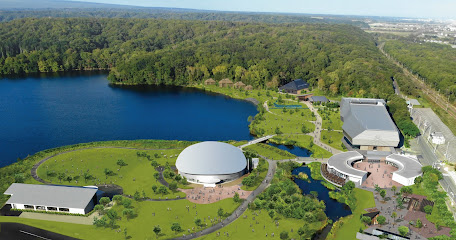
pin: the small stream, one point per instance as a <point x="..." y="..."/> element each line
<point x="298" y="151"/>
<point x="334" y="209"/>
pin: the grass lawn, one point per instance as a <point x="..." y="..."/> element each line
<point x="304" y="141"/>
<point x="260" y="95"/>
<point x="263" y="165"/>
<point x="331" y="118"/>
<point x="290" y="121"/>
<point x="73" y="230"/>
<point x="333" y="139"/>
<point x="140" y="227"/>
<point x="138" y="175"/>
<point x="240" y="229"/>
<point x="269" y="151"/>
<point x="347" y="227"/>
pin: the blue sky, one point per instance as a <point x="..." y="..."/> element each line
<point x="396" y="8"/>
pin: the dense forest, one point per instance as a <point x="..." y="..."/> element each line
<point x="182" y="14"/>
<point x="436" y="63"/>
<point x="336" y="59"/>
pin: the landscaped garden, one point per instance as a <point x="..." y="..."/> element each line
<point x="331" y="118"/>
<point x="333" y="139"/>
<point x="269" y="151"/>
<point x="131" y="169"/>
<point x="301" y="140"/>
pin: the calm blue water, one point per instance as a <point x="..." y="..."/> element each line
<point x="298" y="151"/>
<point x="334" y="209"/>
<point x="41" y="112"/>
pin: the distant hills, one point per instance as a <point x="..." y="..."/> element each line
<point x="15" y="9"/>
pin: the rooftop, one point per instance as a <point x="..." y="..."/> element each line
<point x="342" y="162"/>
<point x="210" y="158"/>
<point x="50" y="195"/>
<point x="408" y="167"/>
<point x="297" y="84"/>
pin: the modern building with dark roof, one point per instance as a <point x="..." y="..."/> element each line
<point x="57" y="198"/>
<point x="367" y="124"/>
<point x="294" y="87"/>
<point x="210" y="163"/>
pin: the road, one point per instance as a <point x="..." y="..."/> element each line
<point x="24" y="232"/>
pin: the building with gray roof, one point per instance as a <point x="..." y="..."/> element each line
<point x="367" y="124"/>
<point x="341" y="165"/>
<point x="408" y="168"/>
<point x="209" y="163"/>
<point x="57" y="198"/>
<point x="321" y="99"/>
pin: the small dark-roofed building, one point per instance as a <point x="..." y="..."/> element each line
<point x="321" y="99"/>
<point x="373" y="216"/>
<point x="294" y="87"/>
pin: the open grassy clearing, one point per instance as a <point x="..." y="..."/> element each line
<point x="260" y="95"/>
<point x="333" y="139"/>
<point x="138" y="175"/>
<point x="241" y="228"/>
<point x="269" y="151"/>
<point x="347" y="227"/>
<point x="331" y="118"/>
<point x="304" y="141"/>
<point x="290" y="121"/>
<point x="140" y="227"/>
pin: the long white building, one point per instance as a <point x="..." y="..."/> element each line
<point x="209" y="163"/>
<point x="57" y="198"/>
<point x="367" y="124"/>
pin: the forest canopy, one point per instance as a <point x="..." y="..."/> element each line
<point x="338" y="59"/>
<point x="436" y="63"/>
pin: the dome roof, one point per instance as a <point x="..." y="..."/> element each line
<point x="210" y="158"/>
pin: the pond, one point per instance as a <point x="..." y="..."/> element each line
<point x="298" y="151"/>
<point x="38" y="112"/>
<point x="334" y="209"/>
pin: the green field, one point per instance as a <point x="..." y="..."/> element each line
<point x="263" y="166"/>
<point x="291" y="121"/>
<point x="269" y="151"/>
<point x="331" y="118"/>
<point x="333" y="139"/>
<point x="347" y="227"/>
<point x="140" y="227"/>
<point x="241" y="228"/>
<point x="138" y="175"/>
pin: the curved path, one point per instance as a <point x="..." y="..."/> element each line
<point x="35" y="167"/>
<point x="241" y="209"/>
<point x="161" y="180"/>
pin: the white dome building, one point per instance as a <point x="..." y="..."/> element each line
<point x="209" y="163"/>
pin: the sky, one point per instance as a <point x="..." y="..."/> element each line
<point x="392" y="8"/>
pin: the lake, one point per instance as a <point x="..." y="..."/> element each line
<point x="334" y="209"/>
<point x="45" y="111"/>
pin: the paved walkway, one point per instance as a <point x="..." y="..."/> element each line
<point x="316" y="134"/>
<point x="241" y="209"/>
<point x="386" y="209"/>
<point x="207" y="195"/>
<point x="381" y="174"/>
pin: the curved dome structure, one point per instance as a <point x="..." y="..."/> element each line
<point x="211" y="162"/>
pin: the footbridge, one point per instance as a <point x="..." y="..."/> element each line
<point x="258" y="140"/>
